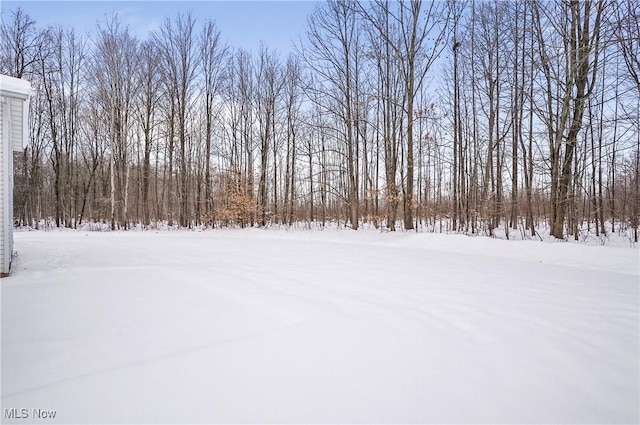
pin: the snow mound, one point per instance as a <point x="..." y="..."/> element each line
<point x="259" y="326"/>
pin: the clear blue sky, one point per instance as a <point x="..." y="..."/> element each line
<point x="242" y="23"/>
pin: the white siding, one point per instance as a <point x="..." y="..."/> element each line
<point x="14" y="106"/>
<point x="3" y="230"/>
<point x="8" y="214"/>
<point x="16" y="123"/>
<point x="9" y="124"/>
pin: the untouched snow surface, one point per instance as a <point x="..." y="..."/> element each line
<point x="258" y="326"/>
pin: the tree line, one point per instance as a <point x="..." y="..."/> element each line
<point x="466" y="116"/>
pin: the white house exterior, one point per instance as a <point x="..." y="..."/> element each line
<point x="14" y="109"/>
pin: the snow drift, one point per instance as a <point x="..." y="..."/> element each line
<point x="326" y="326"/>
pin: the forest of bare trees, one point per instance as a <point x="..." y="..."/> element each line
<point x="466" y="116"/>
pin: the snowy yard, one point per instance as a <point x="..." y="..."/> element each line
<point x="262" y="326"/>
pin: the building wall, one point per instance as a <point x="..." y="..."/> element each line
<point x="17" y="127"/>
<point x="8" y="214"/>
<point x="14" y="105"/>
<point x="3" y="230"/>
<point x="11" y="133"/>
<point x="17" y="106"/>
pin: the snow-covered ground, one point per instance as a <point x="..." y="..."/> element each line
<point x="260" y="326"/>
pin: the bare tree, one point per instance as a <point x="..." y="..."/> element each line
<point x="332" y="36"/>
<point x="581" y="41"/>
<point x="269" y="86"/>
<point x="422" y="33"/>
<point x="177" y="43"/>
<point x="21" y="44"/>
<point x="148" y="97"/>
<point x="390" y="97"/>
<point x="113" y="73"/>
<point x="293" y="99"/>
<point x="213" y="54"/>
<point x="176" y="128"/>
<point x="628" y="41"/>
